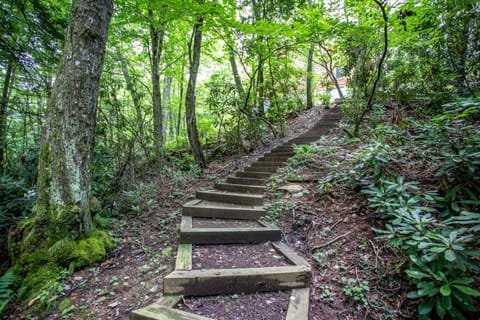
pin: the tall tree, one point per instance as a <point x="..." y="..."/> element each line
<point x="63" y="205"/>
<point x="310" y="71"/>
<point x="157" y="34"/>
<point x="3" y="113"/>
<point x="194" y="51"/>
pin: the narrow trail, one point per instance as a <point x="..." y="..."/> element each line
<point x="227" y="216"/>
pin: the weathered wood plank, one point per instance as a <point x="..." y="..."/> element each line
<point x="206" y="210"/>
<point x="184" y="257"/>
<point x="229" y="235"/>
<point x="248" y="181"/>
<point x="298" y="308"/>
<point x="230" y="197"/>
<point x="261" y="169"/>
<point x="168" y="301"/>
<point x="187" y="222"/>
<point x="163" y="313"/>
<point x="239" y="188"/>
<point x="255" y="175"/>
<point x="291" y="255"/>
<point x="247" y="280"/>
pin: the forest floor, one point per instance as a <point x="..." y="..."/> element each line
<point x="355" y="276"/>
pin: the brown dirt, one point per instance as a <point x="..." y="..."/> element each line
<point x="132" y="275"/>
<point x="223" y="223"/>
<point x="237" y="256"/>
<point x="260" y="306"/>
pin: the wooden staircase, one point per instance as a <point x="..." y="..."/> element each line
<point x="238" y="198"/>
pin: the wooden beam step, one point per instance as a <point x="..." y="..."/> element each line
<point x="255" y="175"/>
<point x="244" y="180"/>
<point x="261" y="169"/>
<point x="247" y="280"/>
<point x="229" y="235"/>
<point x="283" y="148"/>
<point x="189" y="235"/>
<point x="274" y="158"/>
<point x="240" y="188"/>
<point x="230" y="197"/>
<point x="205" y="209"/>
<point x="282" y="153"/>
<point x="273" y="164"/>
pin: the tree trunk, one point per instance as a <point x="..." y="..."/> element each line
<point x="3" y="114"/>
<point x="65" y="164"/>
<point x="309" y="77"/>
<point x="180" y="103"/>
<point x="136" y="102"/>
<point x="194" y="59"/>
<point x="236" y="75"/>
<point x="168" y="126"/>
<point x="157" y="36"/>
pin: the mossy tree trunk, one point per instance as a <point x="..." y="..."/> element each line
<point x="69" y="135"/>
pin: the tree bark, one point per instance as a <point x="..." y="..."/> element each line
<point x="168" y="126"/>
<point x="157" y="37"/>
<point x="309" y="77"/>
<point x="190" y="99"/>
<point x="3" y="114"/>
<point x="66" y="153"/>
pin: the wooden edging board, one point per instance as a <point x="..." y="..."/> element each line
<point x="259" y="234"/>
<point x="247" y="280"/>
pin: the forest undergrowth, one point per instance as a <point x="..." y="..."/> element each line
<point x="390" y="219"/>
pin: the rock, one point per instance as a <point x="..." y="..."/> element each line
<point x="154" y="289"/>
<point x="114" y="304"/>
<point x="292" y="188"/>
<point x="297" y="195"/>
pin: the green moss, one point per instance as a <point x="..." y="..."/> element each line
<point x="40" y="279"/>
<point x="65" y="304"/>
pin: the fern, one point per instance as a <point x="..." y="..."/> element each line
<point x="6" y="294"/>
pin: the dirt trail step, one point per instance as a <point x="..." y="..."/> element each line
<point x="237" y="199"/>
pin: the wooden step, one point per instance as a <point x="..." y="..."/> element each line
<point x="248" y="181"/>
<point x="285" y="148"/>
<point x="261" y="169"/>
<point x="205" y="209"/>
<point x="247" y="280"/>
<point x="282" y="153"/>
<point x="262" y="233"/>
<point x="230" y="197"/>
<point x="240" y="188"/>
<point x="273" y="164"/>
<point x="274" y="158"/>
<point x="255" y="175"/>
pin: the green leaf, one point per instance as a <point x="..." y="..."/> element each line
<point x="468" y="290"/>
<point x="426" y="306"/>
<point x="445" y="290"/>
<point x="450" y="255"/>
